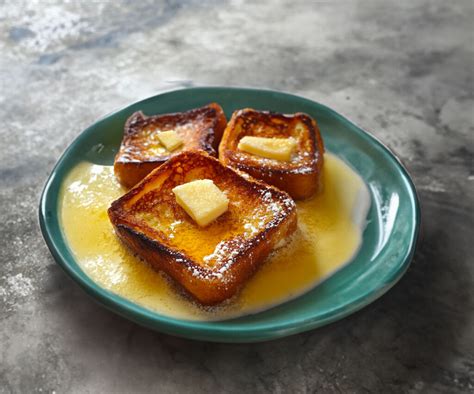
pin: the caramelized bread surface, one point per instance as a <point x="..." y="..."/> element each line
<point x="211" y="262"/>
<point x="141" y="151"/>
<point x="300" y="177"/>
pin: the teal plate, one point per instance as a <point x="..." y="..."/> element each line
<point x="388" y="243"/>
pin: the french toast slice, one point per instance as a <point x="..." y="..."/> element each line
<point x="213" y="262"/>
<point x="141" y="151"/>
<point x="301" y="176"/>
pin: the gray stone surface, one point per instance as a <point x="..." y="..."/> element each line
<point x="403" y="70"/>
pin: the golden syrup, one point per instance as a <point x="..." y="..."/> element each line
<point x="328" y="236"/>
<point x="244" y="218"/>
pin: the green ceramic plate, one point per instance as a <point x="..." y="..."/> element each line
<point x="389" y="239"/>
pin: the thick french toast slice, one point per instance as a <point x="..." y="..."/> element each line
<point x="212" y="262"/>
<point x="141" y="150"/>
<point x="300" y="177"/>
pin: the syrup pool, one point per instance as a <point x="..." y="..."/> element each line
<point x="329" y="234"/>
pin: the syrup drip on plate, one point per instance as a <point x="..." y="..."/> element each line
<point x="329" y="234"/>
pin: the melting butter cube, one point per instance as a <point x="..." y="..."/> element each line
<point x="170" y="139"/>
<point x="202" y="200"/>
<point x="270" y="148"/>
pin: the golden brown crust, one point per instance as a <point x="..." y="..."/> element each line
<point x="140" y="152"/>
<point x="300" y="177"/>
<point x="210" y="263"/>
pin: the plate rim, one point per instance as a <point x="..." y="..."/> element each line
<point x="208" y="330"/>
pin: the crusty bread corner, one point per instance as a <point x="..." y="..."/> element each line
<point x="214" y="262"/>
<point x="199" y="128"/>
<point x="301" y="177"/>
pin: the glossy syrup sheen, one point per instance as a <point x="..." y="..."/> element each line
<point x="329" y="233"/>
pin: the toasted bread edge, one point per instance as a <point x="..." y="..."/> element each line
<point x="204" y="284"/>
<point x="300" y="185"/>
<point x="129" y="173"/>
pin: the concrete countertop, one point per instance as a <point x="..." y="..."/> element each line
<point x="403" y="70"/>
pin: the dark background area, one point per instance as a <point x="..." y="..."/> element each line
<point x="402" y="70"/>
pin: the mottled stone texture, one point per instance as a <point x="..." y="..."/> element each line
<point x="403" y="70"/>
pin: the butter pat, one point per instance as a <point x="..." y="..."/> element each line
<point x="170" y="139"/>
<point x="270" y="148"/>
<point x="202" y="200"/>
